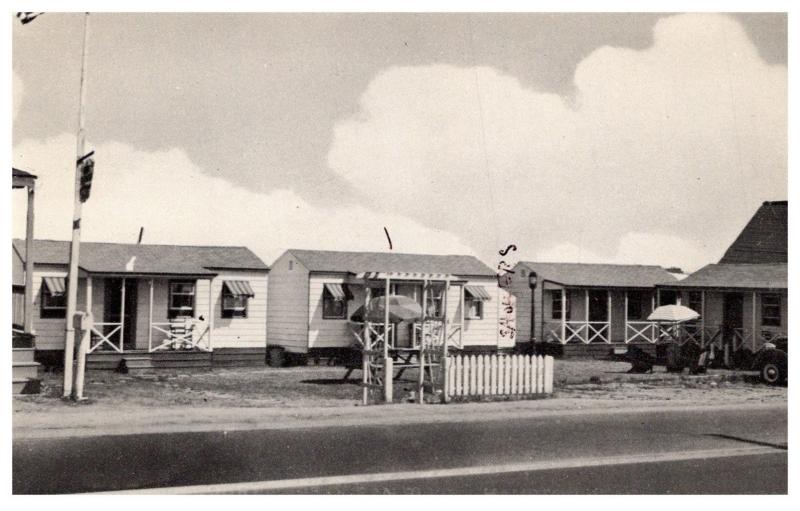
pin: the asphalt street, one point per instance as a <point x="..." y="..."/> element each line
<point x="632" y="452"/>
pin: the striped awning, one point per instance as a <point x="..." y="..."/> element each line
<point x="57" y="286"/>
<point x="239" y="288"/>
<point x="478" y="292"/>
<point x="336" y="290"/>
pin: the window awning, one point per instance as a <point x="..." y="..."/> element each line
<point x="239" y="288"/>
<point x="56" y="285"/>
<point x="478" y="292"/>
<point x="336" y="290"/>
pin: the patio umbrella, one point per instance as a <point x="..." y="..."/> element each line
<point x="401" y="308"/>
<point x="673" y="314"/>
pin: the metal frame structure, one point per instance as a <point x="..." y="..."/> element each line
<point x="381" y="357"/>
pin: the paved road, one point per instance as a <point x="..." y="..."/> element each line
<point x="642" y="452"/>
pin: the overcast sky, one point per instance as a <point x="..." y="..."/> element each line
<point x="643" y="138"/>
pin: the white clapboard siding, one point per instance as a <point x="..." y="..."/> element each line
<point x="238" y="332"/>
<point x="499" y="375"/>
<point x="287" y="313"/>
<point x="330" y="333"/>
<point x="483" y="331"/>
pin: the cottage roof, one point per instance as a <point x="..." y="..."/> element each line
<point x="155" y="259"/>
<point x="764" y="239"/>
<point x="600" y="275"/>
<point x="748" y="276"/>
<point x="357" y="262"/>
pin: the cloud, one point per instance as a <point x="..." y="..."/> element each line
<point x="177" y="203"/>
<point x="17" y="92"/>
<point x="634" y="248"/>
<point x="682" y="140"/>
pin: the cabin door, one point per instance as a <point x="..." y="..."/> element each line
<point x="732" y="315"/>
<point x="598" y="305"/>
<point x="112" y="309"/>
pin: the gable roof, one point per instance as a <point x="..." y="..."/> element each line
<point x="356" y="262"/>
<point x="764" y="239"/>
<point x="155" y="259"/>
<point x="600" y="275"/>
<point x="746" y="276"/>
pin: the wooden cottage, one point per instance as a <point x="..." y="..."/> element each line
<point x="586" y="309"/>
<point x="314" y="293"/>
<point x="741" y="305"/>
<point x="153" y="305"/>
<point x="742" y="300"/>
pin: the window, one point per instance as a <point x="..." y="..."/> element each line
<point x="181" y="299"/>
<point x="54" y="298"/>
<point x="770" y="310"/>
<point x="473" y="308"/>
<point x="556" y="294"/>
<point x="235" y="295"/>
<point x="334" y="301"/>
<point x="696" y="301"/>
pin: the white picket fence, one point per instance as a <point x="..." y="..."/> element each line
<point x="499" y="375"/>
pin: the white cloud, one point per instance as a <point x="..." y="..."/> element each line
<point x="17" y="93"/>
<point x="633" y="248"/>
<point x="682" y="140"/>
<point x="176" y="203"/>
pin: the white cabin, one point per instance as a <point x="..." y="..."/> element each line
<point x="313" y="294"/>
<point x="151" y="299"/>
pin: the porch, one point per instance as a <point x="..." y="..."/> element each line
<point x="607" y="316"/>
<point x="146" y="314"/>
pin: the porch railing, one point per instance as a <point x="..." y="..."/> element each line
<point x="180" y="335"/>
<point x="102" y="334"/>
<point x="580" y="331"/>
<point x="641" y="331"/>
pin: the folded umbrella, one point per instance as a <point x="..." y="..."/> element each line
<point x="401" y="308"/>
<point x="673" y="314"/>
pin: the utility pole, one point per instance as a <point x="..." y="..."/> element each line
<point x="74" y="253"/>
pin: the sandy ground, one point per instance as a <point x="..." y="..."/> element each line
<point x="314" y="396"/>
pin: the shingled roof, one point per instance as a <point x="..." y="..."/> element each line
<point x="600" y="275"/>
<point x="742" y="276"/>
<point x="764" y="239"/>
<point x="356" y="262"/>
<point x="147" y="259"/>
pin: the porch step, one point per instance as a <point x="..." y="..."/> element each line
<point x="139" y="360"/>
<point x="22" y="355"/>
<point x="24" y="370"/>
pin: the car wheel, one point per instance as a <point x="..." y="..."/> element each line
<point x="771" y="373"/>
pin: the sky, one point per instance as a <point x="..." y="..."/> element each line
<point x="620" y="138"/>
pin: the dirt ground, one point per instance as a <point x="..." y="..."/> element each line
<point x="266" y="397"/>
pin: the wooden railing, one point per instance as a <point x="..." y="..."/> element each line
<point x="180" y="335"/>
<point x="583" y="331"/>
<point x="641" y="331"/>
<point x="99" y="337"/>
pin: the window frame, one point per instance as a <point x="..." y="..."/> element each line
<point x="327" y="297"/>
<point x="47" y="311"/>
<point x="554" y="300"/>
<point x="233" y="312"/>
<point x="775" y="320"/>
<point x="174" y="312"/>
<point x="473" y="301"/>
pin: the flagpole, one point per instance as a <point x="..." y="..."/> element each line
<point x="74" y="253"/>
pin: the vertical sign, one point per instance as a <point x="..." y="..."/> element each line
<point x="507" y="317"/>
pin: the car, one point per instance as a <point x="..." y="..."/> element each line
<point x="772" y="362"/>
